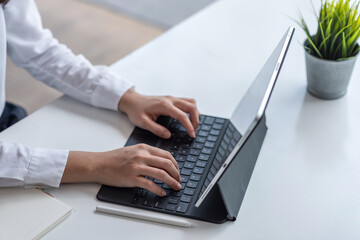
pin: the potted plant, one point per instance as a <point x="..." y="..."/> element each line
<point x="331" y="53"/>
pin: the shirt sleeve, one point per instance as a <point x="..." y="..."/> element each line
<point x="31" y="167"/>
<point x="34" y="48"/>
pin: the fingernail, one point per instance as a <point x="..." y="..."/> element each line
<point x="179" y="186"/>
<point x="193" y="134"/>
<point x="163" y="193"/>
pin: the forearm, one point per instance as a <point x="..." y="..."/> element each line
<point x="34" y="48"/>
<point x="124" y="167"/>
<point x="81" y="167"/>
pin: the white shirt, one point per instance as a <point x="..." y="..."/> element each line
<point x="34" y="48"/>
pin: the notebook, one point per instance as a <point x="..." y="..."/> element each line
<point x="28" y="214"/>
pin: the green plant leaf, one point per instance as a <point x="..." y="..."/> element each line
<point x="344" y="50"/>
<point x="338" y="29"/>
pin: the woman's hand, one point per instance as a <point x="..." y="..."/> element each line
<point x="144" y="110"/>
<point x="124" y="167"/>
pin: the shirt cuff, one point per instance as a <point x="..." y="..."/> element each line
<point x="110" y="89"/>
<point x="46" y="168"/>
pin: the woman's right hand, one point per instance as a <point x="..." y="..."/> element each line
<point x="124" y="167"/>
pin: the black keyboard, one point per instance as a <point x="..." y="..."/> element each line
<point x="194" y="157"/>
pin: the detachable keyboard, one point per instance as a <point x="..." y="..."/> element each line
<point x="199" y="160"/>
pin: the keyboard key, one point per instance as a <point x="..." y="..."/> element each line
<point x="184" y="178"/>
<point x="138" y="192"/>
<point x="182" y="207"/>
<point x="176" y="193"/>
<point x="210" y="176"/>
<point x="206" y="183"/>
<point x="160" y="202"/>
<point x="180" y="164"/>
<point x="209" y="120"/>
<point x="143" y="193"/>
<point x="198" y="170"/>
<point x="167" y="191"/>
<point x="219" y="120"/>
<point x="183" y="185"/>
<point x="218" y="157"/>
<point x="185" y="172"/>
<point x="192" y="184"/>
<point x="228" y="133"/>
<point x="189" y="191"/>
<point x="217" y="165"/>
<point x="181" y="158"/>
<point x="233" y="142"/>
<point x="201" y="119"/>
<point x="221" y="151"/>
<point x="186" y="145"/>
<point x="206" y="127"/>
<point x="227" y="140"/>
<point x="201" y="164"/>
<point x="204" y="157"/>
<point x="206" y="151"/>
<point x="165" y="186"/>
<point x="185" y="198"/>
<point x="192" y="158"/>
<point x="200" y="139"/>
<point x="209" y="144"/>
<point x="158" y="181"/>
<point x="231" y="127"/>
<point x="174" y="126"/>
<point x="195" y="152"/>
<point x="217" y="126"/>
<point x="189" y="165"/>
<point x="195" y="177"/>
<point x="184" y="151"/>
<point x="212" y="138"/>
<point x="213" y="170"/>
<point x="237" y="136"/>
<point x="174" y="147"/>
<point x="203" y="189"/>
<point x="150" y="199"/>
<point x="170" y="207"/>
<point x="215" y="132"/>
<point x="181" y="128"/>
<point x="198" y="145"/>
<point x="224" y="145"/>
<point x="173" y="200"/>
<point x="203" y="133"/>
<point x="135" y="200"/>
<point x="173" y="153"/>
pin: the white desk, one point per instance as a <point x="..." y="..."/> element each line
<point x="306" y="184"/>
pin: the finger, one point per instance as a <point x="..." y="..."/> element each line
<point x="156" y="129"/>
<point x="164" y="154"/>
<point x="165" y="164"/>
<point x="191" y="109"/>
<point x="182" y="117"/>
<point x="191" y="100"/>
<point x="151" y="186"/>
<point x="160" y="175"/>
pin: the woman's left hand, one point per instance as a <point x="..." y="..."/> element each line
<point x="144" y="110"/>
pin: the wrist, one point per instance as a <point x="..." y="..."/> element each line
<point x="81" y="167"/>
<point x="127" y="100"/>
